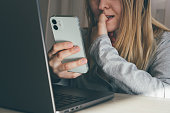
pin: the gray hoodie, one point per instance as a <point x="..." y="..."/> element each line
<point x="111" y="72"/>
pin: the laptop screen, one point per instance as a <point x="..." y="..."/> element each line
<point x="24" y="80"/>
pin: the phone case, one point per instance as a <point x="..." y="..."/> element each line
<point x="68" y="29"/>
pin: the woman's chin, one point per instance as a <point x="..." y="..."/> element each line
<point x="111" y="29"/>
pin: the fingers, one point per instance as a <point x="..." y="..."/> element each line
<point x="68" y="75"/>
<point x="58" y="53"/>
<point x="58" y="47"/>
<point x="71" y="65"/>
<point x="102" y="29"/>
<point x="65" y="53"/>
<point x="56" y="59"/>
<point x="102" y="18"/>
<point x="62" y="70"/>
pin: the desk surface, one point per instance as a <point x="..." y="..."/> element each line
<point x="123" y="103"/>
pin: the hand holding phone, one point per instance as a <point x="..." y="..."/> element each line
<point x="67" y="29"/>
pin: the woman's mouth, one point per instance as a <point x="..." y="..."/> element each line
<point x="110" y="17"/>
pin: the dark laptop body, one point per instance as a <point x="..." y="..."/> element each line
<point x="25" y="83"/>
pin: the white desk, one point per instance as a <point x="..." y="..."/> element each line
<point x="125" y="104"/>
<point x="131" y="104"/>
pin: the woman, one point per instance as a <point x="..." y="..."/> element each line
<point x="130" y="50"/>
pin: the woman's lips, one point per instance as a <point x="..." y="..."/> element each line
<point x="110" y="17"/>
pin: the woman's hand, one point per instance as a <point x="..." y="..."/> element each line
<point x="100" y="29"/>
<point x="60" y="51"/>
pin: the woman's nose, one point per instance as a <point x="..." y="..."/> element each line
<point x="103" y="5"/>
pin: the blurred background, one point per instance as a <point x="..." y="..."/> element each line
<point x="160" y="11"/>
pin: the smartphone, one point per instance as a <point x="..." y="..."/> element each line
<point x="67" y="28"/>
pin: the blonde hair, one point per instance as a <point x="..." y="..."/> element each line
<point x="137" y="31"/>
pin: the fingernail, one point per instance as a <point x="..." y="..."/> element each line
<point x="83" y="61"/>
<point x="76" y="48"/>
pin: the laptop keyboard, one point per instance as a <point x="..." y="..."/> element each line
<point x="62" y="100"/>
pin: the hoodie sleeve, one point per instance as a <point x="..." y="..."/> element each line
<point x="155" y="83"/>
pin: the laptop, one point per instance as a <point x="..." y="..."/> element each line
<point x="25" y="83"/>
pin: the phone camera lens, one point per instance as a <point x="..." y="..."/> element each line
<point x="54" y="21"/>
<point x="55" y="27"/>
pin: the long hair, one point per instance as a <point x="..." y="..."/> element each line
<point x="135" y="39"/>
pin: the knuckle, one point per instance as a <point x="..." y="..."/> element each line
<point x="68" y="44"/>
<point x="56" y="47"/>
<point x="55" y="71"/>
<point x="54" y="66"/>
<point x="65" y="44"/>
<point x="66" y="66"/>
<point x="71" y="50"/>
<point x="74" y="50"/>
<point x="60" y="55"/>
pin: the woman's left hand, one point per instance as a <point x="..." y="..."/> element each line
<point x="100" y="29"/>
